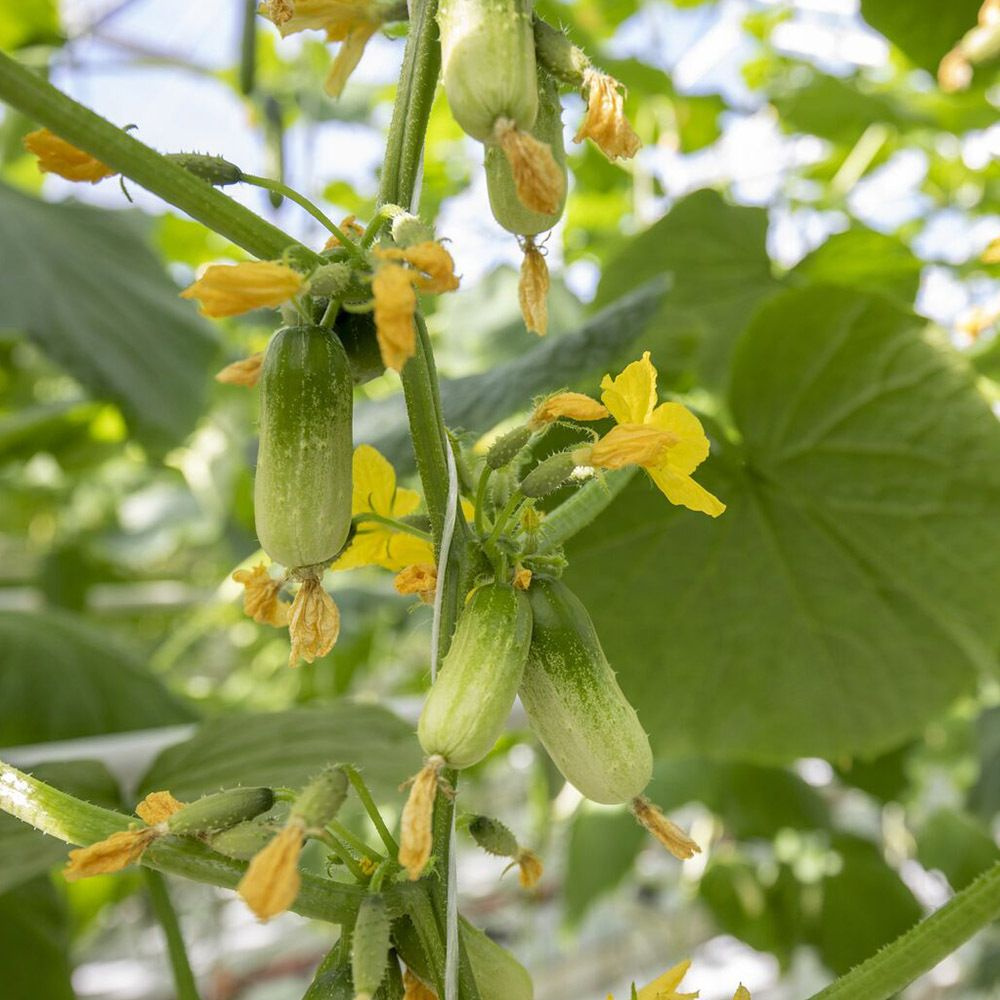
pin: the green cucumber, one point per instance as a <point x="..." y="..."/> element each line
<point x="220" y="810"/>
<point x="370" y="946"/>
<point x="469" y="702"/>
<point x="488" y="63"/>
<point x="302" y="492"/>
<point x="574" y="703"/>
<point x="507" y="207"/>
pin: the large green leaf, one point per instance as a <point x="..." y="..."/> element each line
<point x="26" y="852"/>
<point x="715" y="256"/>
<point x="287" y="748"/>
<point x="62" y="677"/>
<point x="84" y="284"/>
<point x="29" y="22"/>
<point x="34" y="945"/>
<point x="478" y="402"/>
<point x="957" y="845"/>
<point x="924" y="29"/>
<point x="848" y="593"/>
<point x="864" y="259"/>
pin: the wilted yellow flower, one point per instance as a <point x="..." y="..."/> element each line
<point x="157" y="807"/>
<point x="605" y="122"/>
<point x="414" y="989"/>
<point x="352" y="22"/>
<point x="431" y="269"/>
<point x="415" y="824"/>
<point x="530" y="868"/>
<point x="631" y="400"/>
<point x="126" y="846"/>
<point x="522" y="577"/>
<point x="395" y="304"/>
<point x="435" y="264"/>
<point x="668" y="833"/>
<point x="272" y="878"/>
<point x="231" y="289"/>
<point x="533" y="289"/>
<point x="540" y="184"/>
<point x="420" y="579"/>
<point x="313" y="622"/>
<point x="57" y="156"/>
<point x="574" y="405"/>
<point x="243" y="372"/>
<point x="375" y="492"/>
<point x="260" y="596"/>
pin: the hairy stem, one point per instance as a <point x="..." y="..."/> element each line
<point x="39" y="100"/>
<point x="184" y="981"/>
<point x="923" y="946"/>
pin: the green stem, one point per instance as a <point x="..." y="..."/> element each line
<point x="353" y="840"/>
<point x="159" y="897"/>
<point x="268" y="184"/>
<point x="248" y="48"/>
<point x="582" y="507"/>
<point x="361" y="789"/>
<point x="923" y="946"/>
<point x="412" y="109"/>
<point x="40" y="101"/>
<point x="390" y="522"/>
<point x="77" y="822"/>
<point x="484" y="482"/>
<point x="513" y="501"/>
<point x="337" y="846"/>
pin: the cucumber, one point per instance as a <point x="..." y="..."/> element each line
<point x="220" y="810"/>
<point x="574" y="703"/>
<point x="302" y="492"/>
<point x="507" y="207"/>
<point x="370" y="946"/>
<point x="469" y="702"/>
<point x="488" y="63"/>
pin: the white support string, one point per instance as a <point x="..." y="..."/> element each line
<point x="451" y="913"/>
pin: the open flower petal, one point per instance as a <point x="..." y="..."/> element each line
<point x="691" y="445"/>
<point x="57" y="156"/>
<point x="685" y="492"/>
<point x="351" y="51"/>
<point x="665" y="987"/>
<point x="631" y="396"/>
<point x="630" y="444"/>
<point x="231" y="289"/>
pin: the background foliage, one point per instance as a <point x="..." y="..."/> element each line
<point x="798" y="245"/>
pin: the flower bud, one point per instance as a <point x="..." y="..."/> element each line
<point x="549" y="475"/>
<point x="214" y="169"/>
<point x="321" y="799"/>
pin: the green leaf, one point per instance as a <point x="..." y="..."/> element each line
<point x="25" y="852"/>
<point x="288" y="748"/>
<point x="857" y="566"/>
<point x="34" y="945"/>
<point x="957" y="845"/>
<point x="478" y="402"/>
<point x="61" y="677"/>
<point x="602" y="848"/>
<point x="884" y="777"/>
<point x="865" y="906"/>
<point x="715" y="257"/>
<point x="984" y="796"/>
<point x="84" y="284"/>
<point x="837" y="109"/>
<point x="923" y="29"/>
<point x="866" y="260"/>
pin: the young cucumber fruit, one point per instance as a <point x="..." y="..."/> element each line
<point x="574" y="703"/>
<point x="488" y="63"/>
<point x="302" y="492"/>
<point x="507" y="207"/>
<point x="469" y="702"/>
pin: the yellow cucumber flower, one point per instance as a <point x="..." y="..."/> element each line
<point x="57" y="156"/>
<point x="126" y="846"/>
<point x="231" y="289"/>
<point x="431" y="269"/>
<point x="376" y="543"/>
<point x="260" y="596"/>
<point x="272" y="879"/>
<point x="351" y="22"/>
<point x="668" y="440"/>
<point x="419" y="579"/>
<point x="572" y="405"/>
<point x="313" y="621"/>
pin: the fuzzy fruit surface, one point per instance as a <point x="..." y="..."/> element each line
<point x="574" y="703"/>
<point x="507" y="208"/>
<point x="488" y="63"/>
<point x="302" y="490"/>
<point x="469" y="702"/>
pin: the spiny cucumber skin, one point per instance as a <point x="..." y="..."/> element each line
<point x="302" y="490"/>
<point x="221" y="810"/>
<point x="507" y="208"/>
<point x="468" y="704"/>
<point x="488" y="63"/>
<point x="370" y="946"/>
<point x="574" y="703"/>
